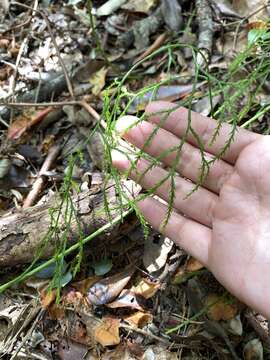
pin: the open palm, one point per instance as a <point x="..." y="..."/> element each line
<point x="225" y="224"/>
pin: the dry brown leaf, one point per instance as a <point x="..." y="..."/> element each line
<point x="180" y="276"/>
<point x="194" y="265"/>
<point x="24" y="122"/>
<point x="47" y="297"/>
<point x="253" y="350"/>
<point x="126" y="298"/>
<point x="219" y="308"/>
<point x="107" y="333"/>
<point x="98" y="80"/>
<point x="146" y="288"/>
<point x="139" y="319"/>
<point x="84" y="285"/>
<point x="70" y="350"/>
<point x="56" y="312"/>
<point x="106" y="290"/>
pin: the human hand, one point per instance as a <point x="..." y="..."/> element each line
<point x="225" y="223"/>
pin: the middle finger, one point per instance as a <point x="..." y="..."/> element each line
<point x="190" y="163"/>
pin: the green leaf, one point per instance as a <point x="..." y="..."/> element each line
<point x="102" y="267"/>
<point x="255" y="35"/>
<point x="49" y="271"/>
<point x="65" y="279"/>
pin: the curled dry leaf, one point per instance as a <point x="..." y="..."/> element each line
<point x="139" y="319"/>
<point x="219" y="308"/>
<point x="106" y="290"/>
<point x="107" y="333"/>
<point x="47" y="297"/>
<point x="23" y="123"/>
<point x="253" y="350"/>
<point x="127" y="299"/>
<point x="97" y="80"/>
<point x="194" y="265"/>
<point x="146" y="288"/>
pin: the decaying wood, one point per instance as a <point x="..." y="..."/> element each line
<point x="23" y="233"/>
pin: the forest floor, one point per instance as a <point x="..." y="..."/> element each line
<point x="82" y="276"/>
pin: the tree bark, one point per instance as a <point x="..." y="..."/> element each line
<point x="23" y="233"/>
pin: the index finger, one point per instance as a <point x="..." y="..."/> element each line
<point x="176" y="121"/>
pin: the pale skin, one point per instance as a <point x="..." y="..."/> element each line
<point x="225" y="224"/>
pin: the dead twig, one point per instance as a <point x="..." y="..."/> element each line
<point x="146" y="334"/>
<point x="39" y="183"/>
<point x="156" y="45"/>
<point x="206" y="31"/>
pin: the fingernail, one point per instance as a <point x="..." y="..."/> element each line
<point x="125" y="123"/>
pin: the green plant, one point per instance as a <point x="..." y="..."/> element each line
<point x="238" y="88"/>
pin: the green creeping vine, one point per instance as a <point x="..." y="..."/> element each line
<point x="238" y="87"/>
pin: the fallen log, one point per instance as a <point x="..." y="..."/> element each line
<point x="23" y="233"/>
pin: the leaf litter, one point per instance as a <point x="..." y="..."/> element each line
<point x="165" y="305"/>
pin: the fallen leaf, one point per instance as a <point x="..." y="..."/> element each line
<point x="109" y="7"/>
<point x="180" y="276"/>
<point x="47" y="297"/>
<point x="107" y="333"/>
<point x="127" y="298"/>
<point x="98" y="80"/>
<point x="156" y="251"/>
<point x="84" y="285"/>
<point x="139" y="319"/>
<point x="159" y="353"/>
<point x="49" y="270"/>
<point x="253" y="350"/>
<point x="24" y="122"/>
<point x="235" y="326"/>
<point x="120" y="352"/>
<point x="226" y="8"/>
<point x="18" y="127"/>
<point x="70" y="350"/>
<point x="172" y="14"/>
<point x="248" y="7"/>
<point x="194" y="265"/>
<point x="146" y="288"/>
<point x="139" y="5"/>
<point x="4" y="167"/>
<point x="56" y="312"/>
<point x="219" y="308"/>
<point x="164" y="92"/>
<point x="106" y="290"/>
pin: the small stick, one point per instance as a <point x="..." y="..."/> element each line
<point x="206" y="31"/>
<point x="38" y="184"/>
<point x="146" y="334"/>
<point x="156" y="45"/>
